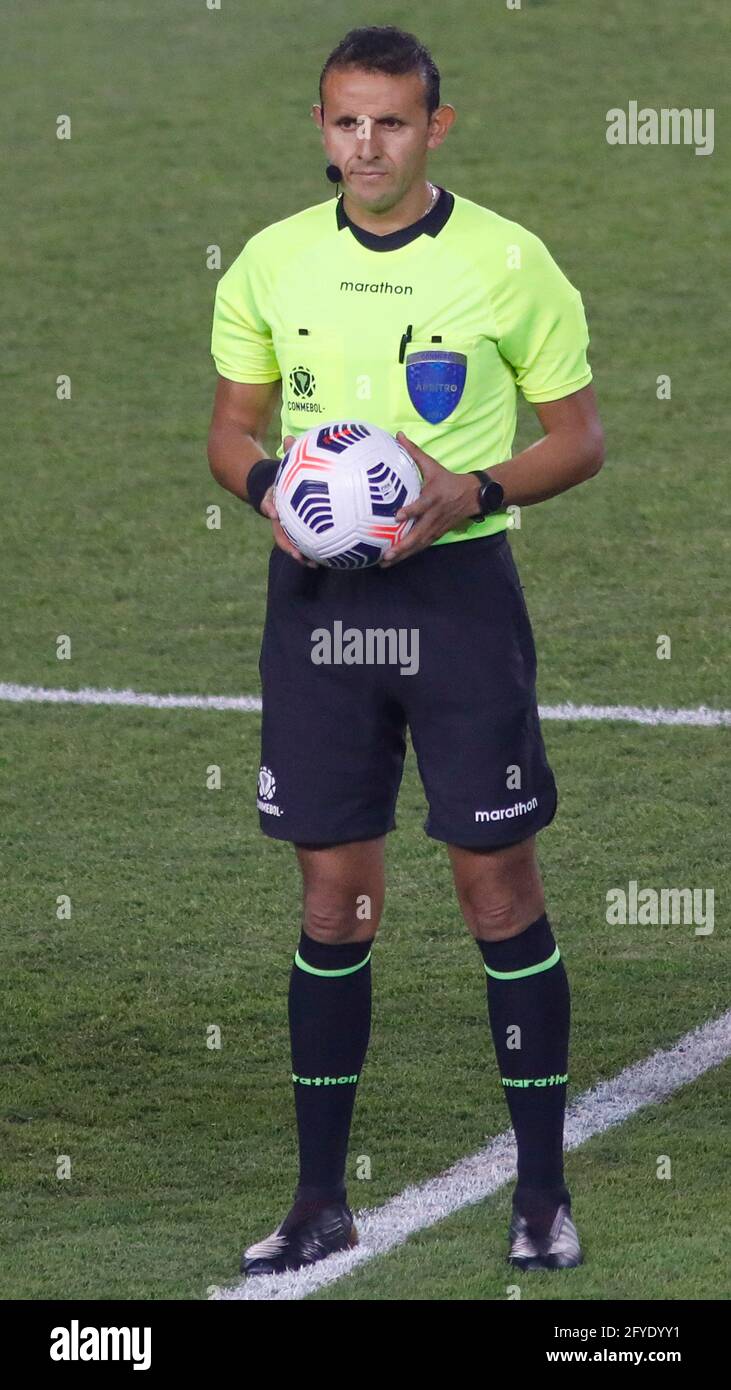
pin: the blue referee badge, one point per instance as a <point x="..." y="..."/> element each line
<point x="435" y="380"/>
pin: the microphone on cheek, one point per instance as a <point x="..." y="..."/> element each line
<point x="334" y="174"/>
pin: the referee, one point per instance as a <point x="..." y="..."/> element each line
<point x="413" y="308"/>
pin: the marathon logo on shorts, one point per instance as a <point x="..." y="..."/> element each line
<point x="435" y="380"/>
<point x="520" y="808"/>
<point x="266" y="788"/>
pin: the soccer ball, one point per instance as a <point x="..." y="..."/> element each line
<point x="337" y="490"/>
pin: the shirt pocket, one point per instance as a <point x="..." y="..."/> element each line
<point x="312" y="370"/>
<point x="437" y="380"/>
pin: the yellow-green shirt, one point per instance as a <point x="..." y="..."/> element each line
<point x="432" y="330"/>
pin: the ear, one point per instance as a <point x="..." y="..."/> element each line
<point x="316" y="114"/>
<point x="441" y="123"/>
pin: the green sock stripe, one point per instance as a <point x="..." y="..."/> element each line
<point x="312" y="970"/>
<point x="531" y="970"/>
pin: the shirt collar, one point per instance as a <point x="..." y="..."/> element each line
<point x="430" y="225"/>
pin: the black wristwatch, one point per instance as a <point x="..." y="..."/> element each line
<point x="490" y="496"/>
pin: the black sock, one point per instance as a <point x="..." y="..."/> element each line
<point x="527" y="989"/>
<point x="329" y="1022"/>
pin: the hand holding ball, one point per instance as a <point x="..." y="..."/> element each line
<point x="338" y="489"/>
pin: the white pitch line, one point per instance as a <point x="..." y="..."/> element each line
<point x="702" y="717"/>
<point x="482" y="1174"/>
<point x="38" y="694"/>
<point x="638" y="714"/>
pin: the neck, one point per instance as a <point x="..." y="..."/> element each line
<point x="411" y="208"/>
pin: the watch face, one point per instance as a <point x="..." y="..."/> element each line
<point x="491" y="496"/>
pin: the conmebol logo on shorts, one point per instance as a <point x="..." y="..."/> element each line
<point x="520" y="808"/>
<point x="266" y="787"/>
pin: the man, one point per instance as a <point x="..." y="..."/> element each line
<point x="415" y="309"/>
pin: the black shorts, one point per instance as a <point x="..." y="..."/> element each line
<point x="441" y="642"/>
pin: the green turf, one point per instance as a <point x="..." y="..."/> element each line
<point x="642" y="1236"/>
<point x="189" y="128"/>
<point x="181" y="917"/>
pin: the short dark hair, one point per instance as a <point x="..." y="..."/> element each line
<point x="384" y="48"/>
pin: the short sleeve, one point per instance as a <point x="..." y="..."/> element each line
<point x="241" y="340"/>
<point x="541" y="324"/>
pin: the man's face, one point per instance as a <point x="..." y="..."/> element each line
<point x="376" y="129"/>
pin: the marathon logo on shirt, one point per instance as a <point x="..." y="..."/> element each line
<point x="385" y="287"/>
